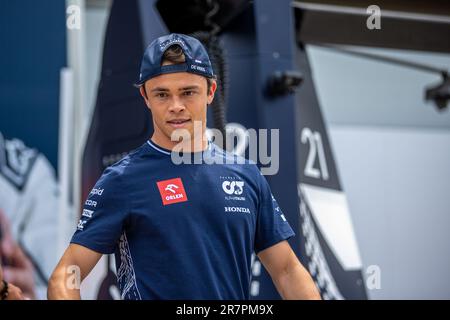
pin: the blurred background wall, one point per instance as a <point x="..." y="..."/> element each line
<point x="393" y="153"/>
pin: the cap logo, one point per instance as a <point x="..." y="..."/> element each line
<point x="163" y="46"/>
<point x="194" y="67"/>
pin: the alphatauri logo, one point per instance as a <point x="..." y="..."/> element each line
<point x="233" y="187"/>
<point x="172" y="191"/>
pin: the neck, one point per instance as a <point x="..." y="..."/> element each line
<point x="197" y="144"/>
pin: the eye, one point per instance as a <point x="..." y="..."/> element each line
<point x="161" y="95"/>
<point x="189" y="93"/>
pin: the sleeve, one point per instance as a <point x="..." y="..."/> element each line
<point x="104" y="213"/>
<point x="271" y="226"/>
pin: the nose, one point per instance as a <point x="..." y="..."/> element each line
<point x="176" y="105"/>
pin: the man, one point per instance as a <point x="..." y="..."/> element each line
<point x="182" y="231"/>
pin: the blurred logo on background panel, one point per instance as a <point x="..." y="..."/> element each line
<point x="172" y="191"/>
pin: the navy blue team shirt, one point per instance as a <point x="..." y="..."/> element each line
<point x="183" y="231"/>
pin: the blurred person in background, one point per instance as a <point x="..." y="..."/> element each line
<point x="28" y="217"/>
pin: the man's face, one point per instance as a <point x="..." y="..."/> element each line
<point x="176" y="100"/>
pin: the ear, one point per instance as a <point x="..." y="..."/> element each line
<point x="143" y="94"/>
<point x="211" y="92"/>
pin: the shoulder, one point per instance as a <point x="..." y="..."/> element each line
<point x="120" y="171"/>
<point x="231" y="158"/>
<point x="245" y="168"/>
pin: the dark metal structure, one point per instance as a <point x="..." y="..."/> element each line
<point x="269" y="86"/>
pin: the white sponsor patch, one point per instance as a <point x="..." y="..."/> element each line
<point x="237" y="209"/>
<point x="97" y="191"/>
<point x="87" y="213"/>
<point x="91" y="203"/>
<point x="81" y="224"/>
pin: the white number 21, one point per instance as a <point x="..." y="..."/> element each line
<point x="315" y="149"/>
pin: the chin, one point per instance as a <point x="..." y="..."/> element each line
<point x="181" y="134"/>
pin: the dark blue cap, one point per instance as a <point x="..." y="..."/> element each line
<point x="197" y="59"/>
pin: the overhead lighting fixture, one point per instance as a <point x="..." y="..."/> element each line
<point x="439" y="94"/>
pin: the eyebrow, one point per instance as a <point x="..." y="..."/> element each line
<point x="189" y="88"/>
<point x="160" y="89"/>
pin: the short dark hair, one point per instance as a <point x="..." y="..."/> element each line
<point x="175" y="55"/>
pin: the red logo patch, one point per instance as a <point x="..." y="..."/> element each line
<point x="172" y="191"/>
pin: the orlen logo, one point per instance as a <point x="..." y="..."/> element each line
<point x="233" y="187"/>
<point x="172" y="191"/>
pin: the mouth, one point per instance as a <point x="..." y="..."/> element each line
<point x="178" y="123"/>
